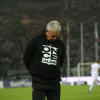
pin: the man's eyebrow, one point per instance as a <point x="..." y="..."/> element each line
<point x="55" y="35"/>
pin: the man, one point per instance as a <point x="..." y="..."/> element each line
<point x="95" y="69"/>
<point x="43" y="57"/>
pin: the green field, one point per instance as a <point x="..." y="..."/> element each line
<point x="67" y="93"/>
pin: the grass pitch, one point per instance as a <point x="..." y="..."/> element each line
<point x="67" y="93"/>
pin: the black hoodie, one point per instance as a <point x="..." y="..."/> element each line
<point x="43" y="58"/>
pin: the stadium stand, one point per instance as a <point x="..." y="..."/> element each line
<point x="21" y="22"/>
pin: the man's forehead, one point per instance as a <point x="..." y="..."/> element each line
<point x="54" y="32"/>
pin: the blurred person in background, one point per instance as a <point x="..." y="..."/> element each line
<point x="94" y="69"/>
<point x="43" y="57"/>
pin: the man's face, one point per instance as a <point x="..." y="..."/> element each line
<point x="52" y="35"/>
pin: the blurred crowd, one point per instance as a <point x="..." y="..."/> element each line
<point x="16" y="29"/>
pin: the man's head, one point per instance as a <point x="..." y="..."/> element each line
<point x="98" y="61"/>
<point x="53" y="30"/>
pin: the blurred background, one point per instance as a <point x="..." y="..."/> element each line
<point x="20" y="20"/>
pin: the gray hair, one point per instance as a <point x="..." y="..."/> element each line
<point x="54" y="25"/>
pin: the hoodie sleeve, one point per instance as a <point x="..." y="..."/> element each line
<point x="62" y="57"/>
<point x="29" y="53"/>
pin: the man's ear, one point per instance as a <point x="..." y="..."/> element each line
<point x="46" y="32"/>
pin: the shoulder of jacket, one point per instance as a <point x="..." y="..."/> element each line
<point x="60" y="42"/>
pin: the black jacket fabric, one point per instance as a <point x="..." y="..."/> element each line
<point x="43" y="58"/>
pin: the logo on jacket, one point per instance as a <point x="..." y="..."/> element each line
<point x="49" y="55"/>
